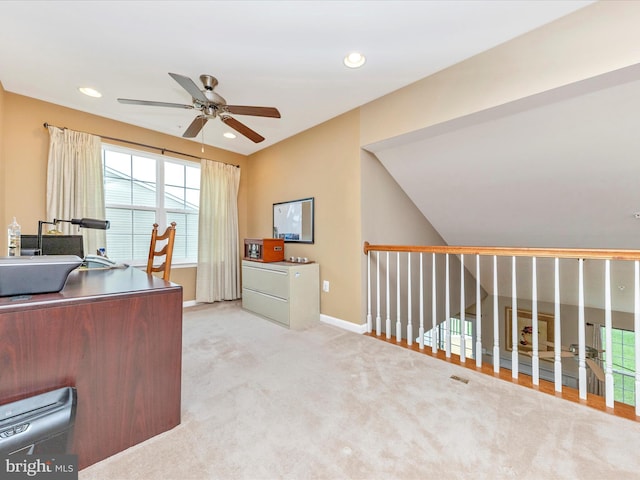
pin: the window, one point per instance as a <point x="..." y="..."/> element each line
<point x="142" y="189"/>
<point x="623" y="358"/>
<point x="456" y="334"/>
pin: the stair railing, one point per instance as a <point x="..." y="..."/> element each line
<point x="426" y="274"/>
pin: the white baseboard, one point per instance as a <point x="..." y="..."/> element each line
<point x="336" y="322"/>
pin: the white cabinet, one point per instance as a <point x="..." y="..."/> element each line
<point x="286" y="293"/>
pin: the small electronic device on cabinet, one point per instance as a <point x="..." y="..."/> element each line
<point x="264" y="249"/>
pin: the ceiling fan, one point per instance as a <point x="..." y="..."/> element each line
<point x="211" y="105"/>
<point x="591" y="356"/>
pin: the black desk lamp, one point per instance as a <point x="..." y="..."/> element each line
<point x="81" y="222"/>
<point x="87" y="223"/>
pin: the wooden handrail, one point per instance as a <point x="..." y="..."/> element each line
<point x="584" y="253"/>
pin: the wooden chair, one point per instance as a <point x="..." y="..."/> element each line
<point x="166" y="252"/>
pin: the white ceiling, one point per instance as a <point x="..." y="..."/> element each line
<point x="285" y="54"/>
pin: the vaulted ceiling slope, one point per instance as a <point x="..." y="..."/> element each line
<point x="281" y="54"/>
<point x="558" y="169"/>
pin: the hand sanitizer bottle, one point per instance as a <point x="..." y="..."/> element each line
<point x="14" y="238"/>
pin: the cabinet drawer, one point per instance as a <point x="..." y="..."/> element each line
<point x="268" y="306"/>
<point x="272" y="282"/>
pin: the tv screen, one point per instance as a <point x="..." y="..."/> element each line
<point x="52" y="245"/>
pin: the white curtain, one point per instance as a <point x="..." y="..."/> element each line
<point x="74" y="183"/>
<point x="218" y="275"/>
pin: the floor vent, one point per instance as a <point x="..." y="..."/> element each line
<point x="459" y="379"/>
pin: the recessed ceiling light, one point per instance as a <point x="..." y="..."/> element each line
<point x="90" y="92"/>
<point x="354" y="60"/>
<point x="228" y="135"/>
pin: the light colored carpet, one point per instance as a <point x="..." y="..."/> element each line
<point x="263" y="402"/>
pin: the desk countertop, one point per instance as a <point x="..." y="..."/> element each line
<point x="116" y="336"/>
<point x="87" y="284"/>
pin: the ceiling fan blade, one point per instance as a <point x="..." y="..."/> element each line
<point x="190" y="86"/>
<point x="153" y="104"/>
<point x="255" y="111"/>
<point x="195" y="126"/>
<point x="546" y="354"/>
<point x="595" y="368"/>
<point x="242" y="128"/>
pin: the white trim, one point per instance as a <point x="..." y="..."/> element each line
<point x="336" y="322"/>
<point x="190" y="264"/>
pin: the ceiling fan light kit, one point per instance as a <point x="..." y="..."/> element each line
<point x="211" y="105"/>
<point x="592" y="356"/>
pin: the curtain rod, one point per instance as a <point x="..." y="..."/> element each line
<point x="163" y="150"/>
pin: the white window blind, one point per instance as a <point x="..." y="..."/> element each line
<point x="142" y="189"/>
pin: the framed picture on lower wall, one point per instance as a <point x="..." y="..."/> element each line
<point x="525" y="330"/>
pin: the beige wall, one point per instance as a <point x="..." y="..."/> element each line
<point x="390" y="217"/>
<point x="24" y="160"/>
<point x="324" y="163"/>
<point x="597" y="39"/>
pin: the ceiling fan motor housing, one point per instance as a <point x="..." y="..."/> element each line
<point x="589" y="352"/>
<point x="213" y="99"/>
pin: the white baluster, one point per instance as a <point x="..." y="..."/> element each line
<point x="582" y="368"/>
<point x="434" y="321"/>
<point x="463" y="343"/>
<point x="447" y="313"/>
<point x="387" y="324"/>
<point x="535" y="359"/>
<point x="636" y="329"/>
<point x="398" y="324"/>
<point x="378" y="319"/>
<point x="421" y="329"/>
<point x="514" y="320"/>
<point x="369" y="318"/>
<point x="478" y="316"/>
<point x="496" y="318"/>
<point x="409" y="316"/>
<point x="607" y="328"/>
<point x="557" y="339"/>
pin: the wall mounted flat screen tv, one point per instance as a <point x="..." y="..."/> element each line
<point x="293" y="221"/>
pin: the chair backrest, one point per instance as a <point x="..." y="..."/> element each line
<point x="166" y="251"/>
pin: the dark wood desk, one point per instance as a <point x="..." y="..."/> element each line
<point x="115" y="335"/>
